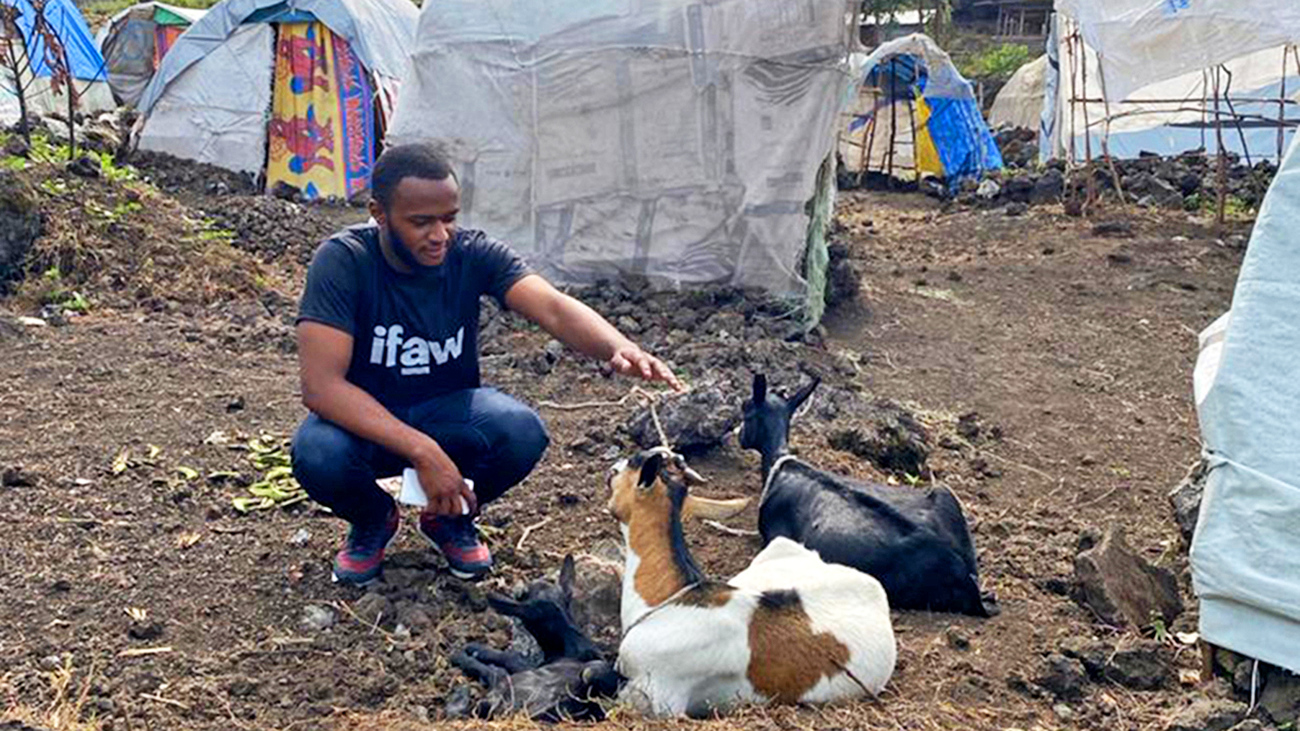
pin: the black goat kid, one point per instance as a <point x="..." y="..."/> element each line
<point x="570" y="679"/>
<point x="915" y="542"/>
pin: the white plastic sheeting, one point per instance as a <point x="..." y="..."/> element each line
<point x="1175" y="113"/>
<point x="95" y="97"/>
<point x="1246" y="552"/>
<point x="1146" y="41"/>
<point x="670" y="138"/>
<point x="216" y="111"/>
<point x="1020" y="101"/>
<point x="381" y="32"/>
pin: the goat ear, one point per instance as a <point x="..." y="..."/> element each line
<point x="802" y="395"/>
<point x="650" y="470"/>
<point x="567" y="572"/>
<point x="705" y="508"/>
<point x="760" y="388"/>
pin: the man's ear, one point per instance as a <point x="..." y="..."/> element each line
<point x="377" y="212"/>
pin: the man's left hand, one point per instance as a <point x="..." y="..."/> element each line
<point x="630" y="360"/>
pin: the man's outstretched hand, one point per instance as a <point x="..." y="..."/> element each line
<point x="630" y="360"/>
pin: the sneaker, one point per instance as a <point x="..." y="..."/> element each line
<point x="457" y="540"/>
<point x="361" y="560"/>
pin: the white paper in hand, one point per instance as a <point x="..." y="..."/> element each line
<point x="413" y="494"/>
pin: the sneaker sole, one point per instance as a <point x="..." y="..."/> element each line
<point x="334" y="577"/>
<point x="462" y="575"/>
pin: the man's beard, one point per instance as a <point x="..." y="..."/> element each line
<point x="400" y="249"/>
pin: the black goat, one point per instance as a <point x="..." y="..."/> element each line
<point x="572" y="676"/>
<point x="915" y="542"/>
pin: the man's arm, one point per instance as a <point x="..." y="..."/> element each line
<point x="583" y="329"/>
<point x="324" y="354"/>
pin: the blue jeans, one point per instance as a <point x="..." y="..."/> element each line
<point x="494" y="440"/>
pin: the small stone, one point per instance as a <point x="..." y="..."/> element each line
<point x="1087" y="460"/>
<point x="86" y="166"/>
<point x="1140" y="667"/>
<point x="17" y="476"/>
<point x="1250" y="724"/>
<point x="235" y="404"/>
<point x="956" y="639"/>
<point x="1016" y="209"/>
<point x="627" y="325"/>
<point x="1063" y="712"/>
<point x="1064" y="677"/>
<point x="554" y="350"/>
<point x="317" y="618"/>
<point x="988" y="190"/>
<point x="1112" y="229"/>
<point x="1122" y="587"/>
<point x="1186" y="500"/>
<point x="16" y="146"/>
<point x="416" y="618"/>
<point x="145" y="630"/>
<point x="300" y="538"/>
<point x="375" y="608"/>
<point x="51" y="662"/>
<point x="1205" y="714"/>
<point x="611" y="452"/>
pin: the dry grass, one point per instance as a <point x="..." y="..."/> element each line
<point x="123" y="243"/>
<point x="65" y="709"/>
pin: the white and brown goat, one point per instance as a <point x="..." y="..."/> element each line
<point x="790" y="628"/>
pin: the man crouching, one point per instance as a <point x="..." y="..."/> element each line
<point x="388" y="357"/>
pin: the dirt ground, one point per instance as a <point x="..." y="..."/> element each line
<point x="138" y="597"/>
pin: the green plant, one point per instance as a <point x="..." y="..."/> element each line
<point x="998" y="62"/>
<point x="54" y="292"/>
<point x="54" y="186"/>
<point x="42" y="150"/>
<point x="112" y="171"/>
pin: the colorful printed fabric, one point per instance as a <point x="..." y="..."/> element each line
<point x="163" y="38"/>
<point x="322" y="122"/>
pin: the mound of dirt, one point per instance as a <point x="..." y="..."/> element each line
<point x="269" y="228"/>
<point x="175" y="174"/>
<point x="20" y="223"/>
<point x="120" y="243"/>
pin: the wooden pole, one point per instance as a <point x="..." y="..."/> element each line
<point x="1087" y="131"/>
<point x="1281" y="106"/>
<point x="1222" y="174"/>
<point x="1105" y="135"/>
<point x="893" y="113"/>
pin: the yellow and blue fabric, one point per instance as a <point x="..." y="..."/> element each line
<point x="952" y="139"/>
<point x="321" y="134"/>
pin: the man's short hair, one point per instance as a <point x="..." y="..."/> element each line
<point x="416" y="160"/>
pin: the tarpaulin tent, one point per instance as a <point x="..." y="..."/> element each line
<point x="327" y="71"/>
<point x="917" y="117"/>
<point x="1019" y="103"/>
<point x="86" y="64"/>
<point x="134" y="42"/>
<point x="1245" y="553"/>
<point x="678" y="140"/>
<point x="1158" y="74"/>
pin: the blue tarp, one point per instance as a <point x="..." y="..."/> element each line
<point x="955" y="125"/>
<point x="71" y="28"/>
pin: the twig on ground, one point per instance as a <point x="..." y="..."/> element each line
<point x="168" y="701"/>
<point x="529" y="530"/>
<point x="729" y="530"/>
<point x="373" y="626"/>
<point x="1099" y="498"/>
<point x="144" y="651"/>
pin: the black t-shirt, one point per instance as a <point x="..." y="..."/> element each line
<point x="415" y="335"/>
